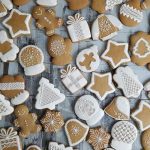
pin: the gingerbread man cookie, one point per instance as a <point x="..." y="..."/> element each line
<point x="20" y="2"/>
<point x="60" y="50"/>
<point x="26" y="121"/>
<point x="140" y="48"/>
<point x="77" y="4"/>
<point x="46" y="19"/>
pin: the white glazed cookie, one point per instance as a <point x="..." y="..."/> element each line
<point x="124" y="134"/>
<point x="48" y="96"/>
<point x="33" y="147"/>
<point x="87" y="108"/>
<point x="119" y="108"/>
<point x="78" y="28"/>
<point x="88" y="59"/>
<point x="128" y="82"/>
<point x="56" y="146"/>
<point x="147" y="88"/>
<point x="31" y="59"/>
<point x="15" y="27"/>
<point x="105" y="27"/>
<point x="8" y="50"/>
<point x="47" y="3"/>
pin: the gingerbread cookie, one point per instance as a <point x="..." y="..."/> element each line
<point x="145" y="4"/>
<point x="52" y="121"/>
<point x="9" y="140"/>
<point x="119" y="108"/>
<point x="59" y="49"/>
<point x="140" y="48"/>
<point x="48" y="96"/>
<point x="76" y="131"/>
<point x="47" y="3"/>
<point x="13" y="88"/>
<point x="141" y="116"/>
<point x="124" y="134"/>
<point x="31" y="59"/>
<point x="78" y="28"/>
<point x="105" y="27"/>
<point x="15" y="27"/>
<point x="128" y="82"/>
<point x="56" y="146"/>
<point x="88" y="59"/>
<point x="8" y="50"/>
<point x="116" y="54"/>
<point x="33" y="147"/>
<point x="77" y="4"/>
<point x="20" y="2"/>
<point x="96" y="87"/>
<point x="26" y="121"/>
<point x="98" y="138"/>
<point x="5" y="107"/>
<point x="46" y="19"/>
<point x="87" y="108"/>
<point x="131" y="13"/>
<point x="73" y="79"/>
<point x="102" y="6"/>
<point x="146" y="139"/>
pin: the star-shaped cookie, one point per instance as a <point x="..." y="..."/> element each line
<point x="18" y="23"/>
<point x="141" y="115"/>
<point x="116" y="53"/>
<point x="101" y="85"/>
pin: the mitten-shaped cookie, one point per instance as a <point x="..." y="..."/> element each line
<point x="26" y="121"/>
<point x="46" y="19"/>
<point x="131" y="13"/>
<point x="60" y="50"/>
<point x="77" y="4"/>
<point x="145" y="4"/>
<point x="20" y="2"/>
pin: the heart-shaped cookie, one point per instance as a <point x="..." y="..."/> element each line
<point x="119" y="108"/>
<point x="76" y="131"/>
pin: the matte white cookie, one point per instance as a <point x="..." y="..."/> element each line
<point x="48" y="96"/>
<point x="124" y="134"/>
<point x="12" y="53"/>
<point x="147" y="88"/>
<point x="128" y="82"/>
<point x="87" y="108"/>
<point x="84" y="55"/>
<point x="56" y="146"/>
<point x="33" y="147"/>
<point x="96" y="28"/>
<point x="47" y="3"/>
<point x="6" y="108"/>
<point x="78" y="28"/>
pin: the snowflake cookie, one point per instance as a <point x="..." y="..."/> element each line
<point x="128" y="82"/>
<point x="78" y="28"/>
<point x="105" y="27"/>
<point x="48" y="96"/>
<point x="141" y="115"/>
<point x="15" y="27"/>
<point x="116" y="54"/>
<point x="31" y="59"/>
<point x="88" y="59"/>
<point x="97" y="81"/>
<point x="56" y="146"/>
<point x="87" y="108"/>
<point x="52" y="121"/>
<point x="8" y="50"/>
<point x="73" y="79"/>
<point x="9" y="140"/>
<point x="119" y="108"/>
<point x="76" y="131"/>
<point x="124" y="134"/>
<point x="98" y="138"/>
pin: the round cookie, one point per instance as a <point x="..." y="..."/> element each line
<point x="20" y="2"/>
<point x="131" y="13"/>
<point x="146" y="139"/>
<point x="33" y="147"/>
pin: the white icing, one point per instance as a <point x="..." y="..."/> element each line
<point x="4" y="13"/>
<point x="87" y="108"/>
<point x="94" y="64"/>
<point x="20" y="32"/>
<point x="12" y="54"/>
<point x="33" y="147"/>
<point x="56" y="146"/>
<point x="12" y="86"/>
<point x="147" y="86"/>
<point x="8" y="4"/>
<point x="48" y="3"/>
<point x="20" y="98"/>
<point x="110" y="4"/>
<point x="48" y="96"/>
